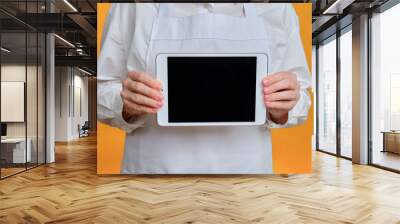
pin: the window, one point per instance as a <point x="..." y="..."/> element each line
<point x="314" y="88"/>
<point x="327" y="96"/>
<point x="346" y="94"/>
<point x="394" y="102"/>
<point x="385" y="89"/>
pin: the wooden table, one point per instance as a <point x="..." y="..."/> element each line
<point x="13" y="150"/>
<point x="391" y="141"/>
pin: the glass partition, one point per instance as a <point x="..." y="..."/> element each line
<point x="31" y="97"/>
<point x="13" y="94"/>
<point x="22" y="78"/>
<point x="41" y="108"/>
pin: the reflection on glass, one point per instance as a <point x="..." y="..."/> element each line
<point x="31" y="99"/>
<point x="386" y="89"/>
<point x="327" y="97"/>
<point x="14" y="153"/>
<point x="22" y="89"/>
<point x="41" y="98"/>
<point x="346" y="94"/>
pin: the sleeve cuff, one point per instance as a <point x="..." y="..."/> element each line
<point x="296" y="116"/>
<point x="127" y="126"/>
<point x="271" y="124"/>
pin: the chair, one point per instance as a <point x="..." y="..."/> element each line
<point x="84" y="130"/>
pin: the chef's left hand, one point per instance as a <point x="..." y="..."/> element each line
<point x="281" y="93"/>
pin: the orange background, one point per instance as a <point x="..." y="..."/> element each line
<point x="291" y="146"/>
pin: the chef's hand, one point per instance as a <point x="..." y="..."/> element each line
<point x="281" y="93"/>
<point x="141" y="94"/>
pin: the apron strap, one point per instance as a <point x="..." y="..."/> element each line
<point x="249" y="10"/>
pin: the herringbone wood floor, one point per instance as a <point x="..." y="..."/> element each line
<point x="69" y="191"/>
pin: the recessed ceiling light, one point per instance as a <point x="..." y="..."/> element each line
<point x="337" y="7"/>
<point x="5" y="50"/>
<point x="70" y="5"/>
<point x="65" y="41"/>
<point x="332" y="6"/>
<point x="84" y="71"/>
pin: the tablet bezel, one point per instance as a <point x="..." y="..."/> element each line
<point x="162" y="75"/>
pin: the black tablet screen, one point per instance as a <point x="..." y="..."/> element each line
<point x="212" y="89"/>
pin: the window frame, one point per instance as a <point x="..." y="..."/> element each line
<point x="334" y="37"/>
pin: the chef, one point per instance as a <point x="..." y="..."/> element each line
<point x="129" y="95"/>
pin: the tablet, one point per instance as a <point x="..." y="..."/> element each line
<point x="212" y="89"/>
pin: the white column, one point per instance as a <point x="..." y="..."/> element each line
<point x="314" y="87"/>
<point x="50" y="99"/>
<point x="360" y="90"/>
<point x="50" y="92"/>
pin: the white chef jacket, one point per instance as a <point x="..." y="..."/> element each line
<point x="128" y="31"/>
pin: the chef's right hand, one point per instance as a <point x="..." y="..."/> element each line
<point x="141" y="94"/>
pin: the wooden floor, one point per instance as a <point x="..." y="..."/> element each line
<point x="5" y="172"/>
<point x="70" y="191"/>
<point x="387" y="159"/>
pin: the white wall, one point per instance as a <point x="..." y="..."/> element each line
<point x="70" y="83"/>
<point x="61" y="103"/>
<point x="16" y="73"/>
<point x="80" y="105"/>
<point x="12" y="100"/>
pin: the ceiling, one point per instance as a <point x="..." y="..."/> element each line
<point x="332" y="15"/>
<point x="72" y="20"/>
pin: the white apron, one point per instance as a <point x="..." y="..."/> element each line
<point x="152" y="149"/>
